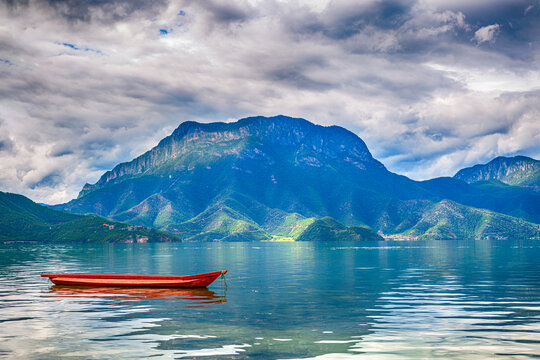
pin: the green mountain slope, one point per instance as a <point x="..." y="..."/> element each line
<point x="23" y="220"/>
<point x="518" y="201"/>
<point x="269" y="178"/>
<point x="518" y="171"/>
<point x="329" y="229"/>
<point x="450" y="220"/>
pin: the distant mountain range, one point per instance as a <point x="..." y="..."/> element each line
<point x="283" y="178"/>
<point x="518" y="171"/>
<point x="23" y="220"/>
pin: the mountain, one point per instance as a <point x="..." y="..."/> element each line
<point x="272" y="178"/>
<point x="258" y="177"/>
<point x="517" y="171"/>
<point x="23" y="220"/>
<point x="517" y="201"/>
<point x="447" y="219"/>
<point x="329" y="229"/>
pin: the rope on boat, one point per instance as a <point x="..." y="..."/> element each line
<point x="224" y="279"/>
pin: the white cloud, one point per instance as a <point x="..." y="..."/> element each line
<point x="487" y="33"/>
<point x="494" y="80"/>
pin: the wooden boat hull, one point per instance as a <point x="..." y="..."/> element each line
<point x="132" y="280"/>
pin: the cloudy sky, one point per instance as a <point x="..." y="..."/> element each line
<point x="430" y="86"/>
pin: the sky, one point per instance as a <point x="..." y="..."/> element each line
<point x="430" y="86"/>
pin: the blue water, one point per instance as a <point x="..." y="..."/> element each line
<point x="364" y="300"/>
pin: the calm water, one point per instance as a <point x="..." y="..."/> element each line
<point x="399" y="300"/>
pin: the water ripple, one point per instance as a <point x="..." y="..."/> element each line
<point x="434" y="300"/>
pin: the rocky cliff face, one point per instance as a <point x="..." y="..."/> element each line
<point x="311" y="143"/>
<point x="518" y="170"/>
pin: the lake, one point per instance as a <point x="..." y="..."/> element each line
<point x="363" y="300"/>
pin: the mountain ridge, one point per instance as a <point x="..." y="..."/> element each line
<point x="22" y="220"/>
<point x="177" y="143"/>
<point x="518" y="170"/>
<point x="246" y="179"/>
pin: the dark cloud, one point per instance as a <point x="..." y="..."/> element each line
<point x="219" y="14"/>
<point x="294" y="71"/>
<point x="224" y="12"/>
<point x="297" y="79"/>
<point x="6" y="145"/>
<point x="106" y="11"/>
<point x="344" y="19"/>
<point x="61" y="151"/>
<point x="518" y="22"/>
<point x="15" y="3"/>
<point x="49" y="181"/>
<point x="410" y="29"/>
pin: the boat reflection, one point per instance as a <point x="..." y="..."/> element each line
<point x="192" y="297"/>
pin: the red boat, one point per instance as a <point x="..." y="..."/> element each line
<point x="180" y="281"/>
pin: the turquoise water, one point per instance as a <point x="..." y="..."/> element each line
<point x="368" y="300"/>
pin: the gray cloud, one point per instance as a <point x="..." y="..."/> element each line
<point x="86" y="85"/>
<point x="224" y="12"/>
<point x="6" y="144"/>
<point x="105" y="11"/>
